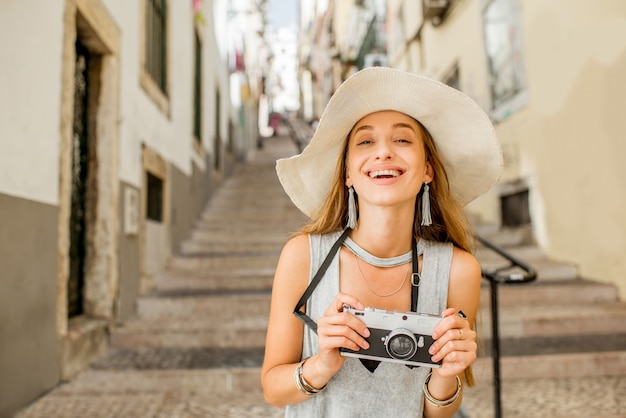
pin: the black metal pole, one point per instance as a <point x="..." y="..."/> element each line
<point x="495" y="347"/>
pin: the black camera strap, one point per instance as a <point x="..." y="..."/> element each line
<point x="316" y="279"/>
<point x="415" y="281"/>
<point x="415" y="278"/>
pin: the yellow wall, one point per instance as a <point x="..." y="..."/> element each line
<point x="568" y="143"/>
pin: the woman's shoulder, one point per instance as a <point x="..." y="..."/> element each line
<point x="310" y="242"/>
<point x="464" y="257"/>
<point x="464" y="264"/>
<point x="296" y="246"/>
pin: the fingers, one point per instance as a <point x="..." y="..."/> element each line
<point x="343" y="334"/>
<point x="340" y="300"/>
<point x="338" y="329"/>
<point x="455" y="343"/>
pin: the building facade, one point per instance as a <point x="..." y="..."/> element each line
<point x="337" y="38"/>
<point x="116" y="126"/>
<point x="551" y="75"/>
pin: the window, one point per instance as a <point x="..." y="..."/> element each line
<point x="156" y="42"/>
<point x="154" y="210"/>
<point x="197" y="90"/>
<point x="515" y="209"/>
<point x="503" y="43"/>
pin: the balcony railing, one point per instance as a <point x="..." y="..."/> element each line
<point x="515" y="272"/>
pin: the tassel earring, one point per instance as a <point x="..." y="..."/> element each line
<point x="426" y="217"/>
<point x="351" y="209"/>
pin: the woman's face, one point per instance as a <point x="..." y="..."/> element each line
<point x="386" y="161"/>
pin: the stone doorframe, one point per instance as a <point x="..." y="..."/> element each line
<point x="89" y="21"/>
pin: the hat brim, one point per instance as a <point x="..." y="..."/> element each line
<point x="463" y="134"/>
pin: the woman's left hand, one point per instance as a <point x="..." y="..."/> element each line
<point x="455" y="344"/>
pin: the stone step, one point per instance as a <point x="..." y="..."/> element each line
<point x="217" y="263"/>
<point x="556" y="320"/>
<point x="271" y="207"/>
<point x="206" y="318"/>
<point x="242" y="221"/>
<point x="216" y="307"/>
<point x="157" y="393"/>
<point x="517" y="321"/>
<point x="180" y="358"/>
<point x="247" y="202"/>
<point x="555" y="344"/>
<point x="241" y="333"/>
<point x="566" y="292"/>
<point x="192" y="248"/>
<point x="238" y="240"/>
<point x="240" y="363"/>
<point x="608" y="363"/>
<point x="260" y="232"/>
<point x="246" y="229"/>
<point x="238" y="380"/>
<point x="196" y="283"/>
<point x="234" y="219"/>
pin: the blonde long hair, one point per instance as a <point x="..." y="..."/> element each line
<point x="449" y="222"/>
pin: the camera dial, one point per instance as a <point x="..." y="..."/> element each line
<point x="401" y="344"/>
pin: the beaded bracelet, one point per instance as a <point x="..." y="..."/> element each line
<point x="446" y="402"/>
<point x="301" y="383"/>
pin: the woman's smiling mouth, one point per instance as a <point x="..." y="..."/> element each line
<point x="377" y="174"/>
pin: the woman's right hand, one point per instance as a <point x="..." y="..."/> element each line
<point x="338" y="329"/>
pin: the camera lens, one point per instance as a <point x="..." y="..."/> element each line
<point x="401" y="344"/>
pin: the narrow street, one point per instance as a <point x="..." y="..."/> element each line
<point x="195" y="347"/>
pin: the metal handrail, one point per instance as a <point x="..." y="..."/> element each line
<point x="497" y="276"/>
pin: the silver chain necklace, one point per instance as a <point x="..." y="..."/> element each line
<point x="386" y="295"/>
<point x="377" y="261"/>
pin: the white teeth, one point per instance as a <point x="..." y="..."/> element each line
<point x="380" y="173"/>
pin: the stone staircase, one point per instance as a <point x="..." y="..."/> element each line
<point x="560" y="325"/>
<point x="208" y="311"/>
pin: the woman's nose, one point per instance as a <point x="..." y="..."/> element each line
<point x="383" y="151"/>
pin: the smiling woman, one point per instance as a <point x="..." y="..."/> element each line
<point x="384" y="180"/>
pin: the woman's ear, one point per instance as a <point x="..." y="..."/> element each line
<point x="348" y="180"/>
<point x="430" y="172"/>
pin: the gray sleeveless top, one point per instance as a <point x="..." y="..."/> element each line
<point x="392" y="390"/>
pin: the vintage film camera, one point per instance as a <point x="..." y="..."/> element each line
<point x="400" y="337"/>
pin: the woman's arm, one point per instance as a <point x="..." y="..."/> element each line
<point x="455" y="338"/>
<point x="283" y="348"/>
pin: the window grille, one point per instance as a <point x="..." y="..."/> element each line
<point x="197" y="91"/>
<point x="156" y="42"/>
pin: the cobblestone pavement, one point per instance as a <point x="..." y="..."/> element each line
<point x="184" y="394"/>
<point x="181" y="373"/>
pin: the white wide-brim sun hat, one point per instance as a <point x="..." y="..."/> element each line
<point x="462" y="132"/>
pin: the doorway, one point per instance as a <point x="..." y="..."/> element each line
<point x="79" y="183"/>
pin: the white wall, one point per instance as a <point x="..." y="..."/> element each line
<point x="569" y="140"/>
<point x="30" y="95"/>
<point x="31" y="40"/>
<point x="141" y="121"/>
